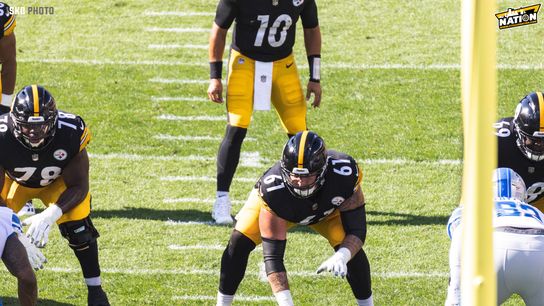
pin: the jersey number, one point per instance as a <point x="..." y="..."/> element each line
<point x="48" y="174"/>
<point x="515" y="209"/>
<point x="284" y="18"/>
<point x="503" y="128"/>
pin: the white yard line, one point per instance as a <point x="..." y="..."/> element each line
<point x="393" y="274"/>
<point x="396" y="161"/>
<point x="203" y="179"/>
<point x="179" y="99"/>
<point x="187" y="138"/>
<point x="178" y="30"/>
<point x="195" y="200"/>
<point x="178" y="81"/>
<point x="176" y="46"/>
<point x="338" y="65"/>
<point x="237" y="298"/>
<point x="176" y="247"/>
<point x="178" y="14"/>
<point x="191" y="118"/>
<point x="193" y="138"/>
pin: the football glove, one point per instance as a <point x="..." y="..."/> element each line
<point x="337" y="263"/>
<point x="40" y="225"/>
<point x="35" y="257"/>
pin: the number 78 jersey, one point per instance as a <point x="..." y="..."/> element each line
<point x="342" y="177"/>
<point x="39" y="168"/>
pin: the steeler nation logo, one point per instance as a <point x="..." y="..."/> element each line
<point x="518" y="17"/>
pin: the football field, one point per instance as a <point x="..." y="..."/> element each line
<point x="137" y="72"/>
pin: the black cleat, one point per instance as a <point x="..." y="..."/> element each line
<point x="97" y="296"/>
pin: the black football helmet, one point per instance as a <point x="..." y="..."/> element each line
<point x="304" y="155"/>
<point x="34" y="117"/>
<point x="529" y="126"/>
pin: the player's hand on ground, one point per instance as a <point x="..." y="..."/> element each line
<point x="35" y="256"/>
<point x="337" y="263"/>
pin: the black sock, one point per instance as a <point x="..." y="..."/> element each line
<point x="234" y="262"/>
<point x="88" y="259"/>
<point x="228" y="156"/>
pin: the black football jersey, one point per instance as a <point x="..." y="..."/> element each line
<point x="39" y="168"/>
<point x="510" y="156"/>
<point x="265" y="29"/>
<point x="7" y="20"/>
<point x="342" y="176"/>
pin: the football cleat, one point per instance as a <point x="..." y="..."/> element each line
<point x="221" y="210"/>
<point x="97" y="297"/>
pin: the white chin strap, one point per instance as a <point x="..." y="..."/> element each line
<point x="35" y="145"/>
<point x="305" y="192"/>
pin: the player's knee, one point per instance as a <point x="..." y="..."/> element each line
<point x="235" y="134"/>
<point x="240" y="244"/>
<point x="80" y="234"/>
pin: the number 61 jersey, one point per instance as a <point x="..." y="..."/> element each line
<point x="342" y="177"/>
<point x="39" y="168"/>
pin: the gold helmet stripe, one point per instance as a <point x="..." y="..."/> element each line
<point x="301" y="149"/>
<point x="541" y="109"/>
<point x="36" y="100"/>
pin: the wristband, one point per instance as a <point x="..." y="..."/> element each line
<point x="314" y="62"/>
<point x="215" y="69"/>
<point x="6" y="100"/>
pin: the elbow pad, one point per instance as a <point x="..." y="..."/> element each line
<point x="354" y="222"/>
<point x="273" y="251"/>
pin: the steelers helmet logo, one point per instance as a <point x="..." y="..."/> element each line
<point x="60" y="154"/>
<point x="297" y="2"/>
<point x="336" y="201"/>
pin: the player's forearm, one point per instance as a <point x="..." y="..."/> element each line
<point x="312" y="41"/>
<point x="217" y="42"/>
<point x="352" y="243"/>
<point x="9" y="71"/>
<point x="278" y="281"/>
<point x="72" y="196"/>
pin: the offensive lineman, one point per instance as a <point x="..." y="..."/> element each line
<point x="44" y="156"/>
<point x="308" y="186"/>
<point x="261" y="69"/>
<point x="518" y="242"/>
<point x="521" y="145"/>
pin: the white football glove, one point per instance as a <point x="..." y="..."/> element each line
<point x="40" y="225"/>
<point x="337" y="263"/>
<point x="35" y="257"/>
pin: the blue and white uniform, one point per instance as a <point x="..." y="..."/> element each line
<point x="518" y="244"/>
<point x="9" y="224"/>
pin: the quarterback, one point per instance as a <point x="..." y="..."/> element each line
<point x="261" y="71"/>
<point x="309" y="186"/>
<point x="44" y="156"/>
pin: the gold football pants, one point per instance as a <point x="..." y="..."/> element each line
<point x="287" y="96"/>
<point x="247" y="222"/>
<point x="16" y="196"/>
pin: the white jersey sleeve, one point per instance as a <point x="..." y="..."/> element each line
<point x="454" y="221"/>
<point x="6" y="227"/>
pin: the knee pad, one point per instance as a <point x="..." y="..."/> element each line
<point x="80" y="234"/>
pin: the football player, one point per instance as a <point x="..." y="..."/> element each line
<point x="309" y="186"/>
<point x="261" y="69"/>
<point x="7" y="57"/>
<point x="521" y="145"/>
<point x="44" y="156"/>
<point x="518" y="247"/>
<point x="19" y="256"/>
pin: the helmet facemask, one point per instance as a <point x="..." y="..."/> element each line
<point x="532" y="146"/>
<point x="34" y="132"/>
<point x="303" y="183"/>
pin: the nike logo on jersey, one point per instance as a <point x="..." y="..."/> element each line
<point x="288" y="65"/>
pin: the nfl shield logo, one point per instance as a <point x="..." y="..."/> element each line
<point x="275" y="2"/>
<point x="531" y="169"/>
<point x="263" y="78"/>
<point x="297" y="2"/>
